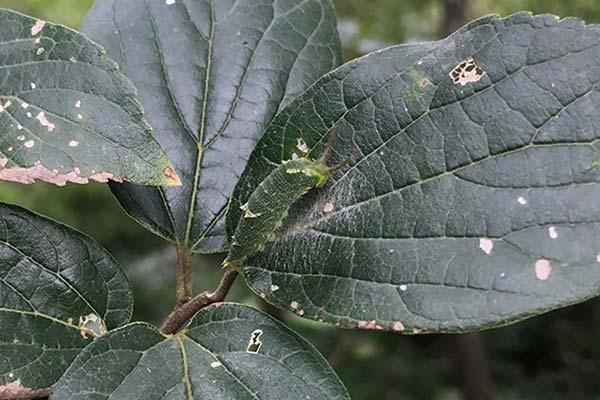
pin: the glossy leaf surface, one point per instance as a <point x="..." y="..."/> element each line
<point x="473" y="200"/>
<point x="211" y="76"/>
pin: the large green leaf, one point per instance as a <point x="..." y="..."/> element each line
<point x="211" y="76"/>
<point x="54" y="281"/>
<point x="470" y="205"/>
<point x="228" y="352"/>
<point x="67" y="114"/>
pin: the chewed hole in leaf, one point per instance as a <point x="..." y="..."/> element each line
<point x="466" y="72"/>
<point x="91" y="325"/>
<point x="255" y="343"/>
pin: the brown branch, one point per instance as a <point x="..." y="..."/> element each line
<point x="16" y="391"/>
<point x="184" y="312"/>
<point x="184" y="275"/>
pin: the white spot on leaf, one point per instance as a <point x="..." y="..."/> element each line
<point x="25" y="105"/>
<point x="73" y="143"/>
<point x="486" y="245"/>
<point x="329" y="207"/>
<point x="78" y="104"/>
<point x="294" y="305"/>
<point x="216" y="364"/>
<point x="37" y="28"/>
<point x="301" y="145"/>
<point x="398" y="327"/>
<point x="522" y="201"/>
<point x="543" y="269"/>
<point x="403" y="288"/>
<point x="274" y="288"/>
<point x="44" y="121"/>
<point x="29" y="144"/>
<point x="552" y="232"/>
<point x="33" y="85"/>
<point x="169" y="2"/>
<point x="40" y="51"/>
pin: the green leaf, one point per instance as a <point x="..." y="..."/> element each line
<point x="211" y="76"/>
<point x="67" y="114"/>
<point x="468" y="206"/>
<point x="227" y="352"/>
<point x="54" y="283"/>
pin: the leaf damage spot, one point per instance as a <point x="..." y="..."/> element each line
<point x="294" y="305"/>
<point x="29" y="175"/>
<point x="552" y="233"/>
<point x="329" y="207"/>
<point x="41" y="117"/>
<point x="274" y="288"/>
<point x="255" y="343"/>
<point x="403" y="288"/>
<point x="302" y="146"/>
<point x="369" y="325"/>
<point x="40" y="51"/>
<point x="216" y="364"/>
<point x="29" y="144"/>
<point x="398" y="327"/>
<point x="522" y="201"/>
<point x="598" y="258"/>
<point x="543" y="269"/>
<point x="37" y="27"/>
<point x="169" y="2"/>
<point x="78" y="104"/>
<point x="15" y="390"/>
<point x="172" y="176"/>
<point x="91" y="325"/>
<point x="247" y="212"/>
<point x="466" y="72"/>
<point x="73" y="143"/>
<point x="32" y="85"/>
<point x="486" y="245"/>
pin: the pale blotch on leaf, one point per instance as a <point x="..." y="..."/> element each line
<point x="301" y="145"/>
<point x="543" y="269"/>
<point x="398" y="327"/>
<point x="91" y="325"/>
<point x="466" y="72"/>
<point x="172" y="176"/>
<point x="522" y="201"/>
<point x="41" y="117"/>
<point x="486" y="245"/>
<point x="403" y="288"/>
<point x="369" y="325"/>
<point x="169" y="2"/>
<point x="29" y="144"/>
<point x="255" y="343"/>
<point x="294" y="305"/>
<point x="73" y="143"/>
<point x="274" y="288"/>
<point x="14" y="390"/>
<point x="216" y="364"/>
<point x="78" y="104"/>
<point x="329" y="207"/>
<point x="247" y="212"/>
<point x="37" y="27"/>
<point x="41" y="51"/>
<point x="552" y="232"/>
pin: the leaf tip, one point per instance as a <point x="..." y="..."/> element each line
<point x="171" y="177"/>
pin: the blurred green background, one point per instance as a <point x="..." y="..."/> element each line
<point x="553" y="357"/>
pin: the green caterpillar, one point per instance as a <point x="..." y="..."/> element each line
<point x="268" y="206"/>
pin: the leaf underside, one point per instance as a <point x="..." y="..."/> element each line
<point x="211" y="75"/>
<point x="209" y="359"/>
<point x="50" y="277"/>
<point x="67" y="114"/>
<point x="473" y="199"/>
